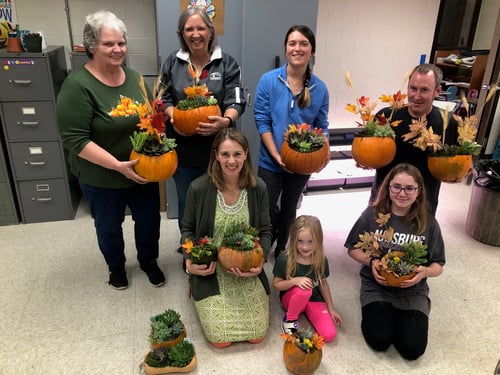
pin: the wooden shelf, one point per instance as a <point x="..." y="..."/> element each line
<point x="462" y="73"/>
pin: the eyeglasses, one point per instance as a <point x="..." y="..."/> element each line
<point x="409" y="190"/>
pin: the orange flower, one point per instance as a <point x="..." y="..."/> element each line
<point x="194" y="91"/>
<point x="188" y="244"/>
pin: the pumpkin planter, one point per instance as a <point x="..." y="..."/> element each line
<point x="155" y="168"/>
<point x="391" y="278"/>
<point x="299" y="362"/>
<point x="187" y="120"/>
<point x="450" y="168"/>
<point x="304" y="162"/>
<point x="149" y="370"/>
<point x="373" y="152"/>
<point x="242" y="259"/>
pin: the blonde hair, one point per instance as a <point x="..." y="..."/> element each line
<point x="314" y="225"/>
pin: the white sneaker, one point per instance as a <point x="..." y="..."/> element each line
<point x="289" y="327"/>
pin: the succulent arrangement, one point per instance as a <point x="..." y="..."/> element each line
<point x="304" y="138"/>
<point x="166" y="326"/>
<point x="240" y="236"/>
<point x="171" y="351"/>
<point x="403" y="262"/>
<point x="179" y="355"/>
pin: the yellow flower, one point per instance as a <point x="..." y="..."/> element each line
<point x="194" y="91"/>
<point x="397" y="259"/>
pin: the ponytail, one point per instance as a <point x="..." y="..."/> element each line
<point x="305" y="95"/>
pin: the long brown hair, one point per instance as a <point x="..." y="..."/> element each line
<point x="314" y="225"/>
<point x="417" y="217"/>
<point x="247" y="175"/>
<point x="305" y="96"/>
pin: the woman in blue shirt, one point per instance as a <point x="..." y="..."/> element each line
<point x="288" y="95"/>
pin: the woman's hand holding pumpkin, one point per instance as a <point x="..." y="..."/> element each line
<point x="211" y="128"/>
<point x="251" y="273"/>
<point x="126" y="168"/>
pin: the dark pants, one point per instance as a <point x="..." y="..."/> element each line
<point x="290" y="186"/>
<point x="383" y="325"/>
<point x="107" y="207"/>
<point x="183" y="177"/>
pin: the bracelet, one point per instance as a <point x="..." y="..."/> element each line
<point x="231" y="121"/>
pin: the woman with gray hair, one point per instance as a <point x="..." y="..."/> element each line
<point x="220" y="72"/>
<point x="99" y="148"/>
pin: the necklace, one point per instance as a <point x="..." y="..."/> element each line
<point x="295" y="87"/>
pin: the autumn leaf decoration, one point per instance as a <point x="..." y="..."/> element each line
<point x="369" y="241"/>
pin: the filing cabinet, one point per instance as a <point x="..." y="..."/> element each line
<point x="8" y="206"/>
<point x="29" y="83"/>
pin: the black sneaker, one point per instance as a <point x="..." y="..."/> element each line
<point x="155" y="275"/>
<point x="118" y="277"/>
<point x="289" y="326"/>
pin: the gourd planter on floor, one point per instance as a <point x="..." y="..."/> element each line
<point x="373" y="152"/>
<point x="180" y="358"/>
<point x="167" y="329"/>
<point x="450" y="168"/>
<point x="302" y="352"/>
<point x="240" y="248"/>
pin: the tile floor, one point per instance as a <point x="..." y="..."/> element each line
<point x="58" y="315"/>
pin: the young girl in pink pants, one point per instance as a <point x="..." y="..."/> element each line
<point x="300" y="276"/>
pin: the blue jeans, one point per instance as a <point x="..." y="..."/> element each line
<point x="183" y="177"/>
<point x="290" y="186"/>
<point x="107" y="207"/>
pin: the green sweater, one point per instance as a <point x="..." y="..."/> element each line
<point x="198" y="221"/>
<point x="83" y="106"/>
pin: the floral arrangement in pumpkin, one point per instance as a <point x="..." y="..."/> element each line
<point x="306" y="340"/>
<point x="151" y="139"/>
<point x="374" y="125"/>
<point x="201" y="250"/>
<point x="196" y="95"/>
<point x="399" y="262"/>
<point x="304" y="138"/>
<point x="241" y="237"/>
<point x="423" y="137"/>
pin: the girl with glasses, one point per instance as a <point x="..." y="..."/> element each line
<point x="398" y="315"/>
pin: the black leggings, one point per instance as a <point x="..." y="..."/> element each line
<point x="383" y="325"/>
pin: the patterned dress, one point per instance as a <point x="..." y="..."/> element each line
<point x="241" y="311"/>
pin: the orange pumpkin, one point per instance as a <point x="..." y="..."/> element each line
<point x="299" y="362"/>
<point x="450" y="168"/>
<point x="155" y="168"/>
<point x="373" y="152"/>
<point x="391" y="278"/>
<point x="242" y="259"/>
<point x="304" y="162"/>
<point x="187" y="120"/>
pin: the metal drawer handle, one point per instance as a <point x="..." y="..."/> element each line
<point x="24" y="82"/>
<point x="35" y="163"/>
<point x="28" y="123"/>
<point x="48" y="199"/>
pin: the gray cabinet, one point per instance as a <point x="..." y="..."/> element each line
<point x="29" y="83"/>
<point x="8" y="207"/>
